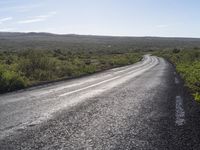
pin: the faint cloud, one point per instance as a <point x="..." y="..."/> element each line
<point x="38" y="18"/>
<point x="31" y="20"/>
<point x="5" y="19"/>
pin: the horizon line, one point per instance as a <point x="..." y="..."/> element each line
<point x="100" y="35"/>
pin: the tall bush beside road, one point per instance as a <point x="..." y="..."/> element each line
<point x="25" y="68"/>
<point x="187" y="64"/>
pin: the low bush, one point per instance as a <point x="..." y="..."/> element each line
<point x="22" y="69"/>
<point x="10" y="80"/>
<point x="187" y="64"/>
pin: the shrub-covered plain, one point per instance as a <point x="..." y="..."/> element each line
<point x="25" y="68"/>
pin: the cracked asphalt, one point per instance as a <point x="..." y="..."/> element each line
<point x="132" y="107"/>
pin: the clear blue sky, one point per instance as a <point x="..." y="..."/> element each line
<point x="179" y="18"/>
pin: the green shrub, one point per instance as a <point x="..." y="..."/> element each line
<point x="187" y="64"/>
<point x="10" y="80"/>
<point x="197" y="97"/>
<point x="38" y="66"/>
<point x="30" y="67"/>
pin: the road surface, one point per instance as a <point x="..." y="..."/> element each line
<point x="141" y="106"/>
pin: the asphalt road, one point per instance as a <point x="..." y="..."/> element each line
<point x="141" y="106"/>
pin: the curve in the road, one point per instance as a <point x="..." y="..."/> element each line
<point x="20" y="109"/>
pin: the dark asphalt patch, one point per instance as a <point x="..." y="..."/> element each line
<point x="139" y="114"/>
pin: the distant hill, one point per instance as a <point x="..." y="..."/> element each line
<point x="70" y="42"/>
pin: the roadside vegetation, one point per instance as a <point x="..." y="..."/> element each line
<point x="25" y="68"/>
<point x="76" y="43"/>
<point x="187" y="62"/>
<point x="28" y="59"/>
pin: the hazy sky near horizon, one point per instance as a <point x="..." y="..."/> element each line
<point x="173" y="18"/>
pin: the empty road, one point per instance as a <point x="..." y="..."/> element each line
<point x="140" y="106"/>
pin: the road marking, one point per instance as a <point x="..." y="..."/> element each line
<point x="140" y="64"/>
<point x="180" y="113"/>
<point x="93" y="90"/>
<point x="176" y="80"/>
<point x="45" y="91"/>
<point x="87" y="87"/>
<point x="144" y="63"/>
<point x="139" y="70"/>
<point x="93" y="85"/>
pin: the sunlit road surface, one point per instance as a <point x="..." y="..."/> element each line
<point x="140" y="106"/>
